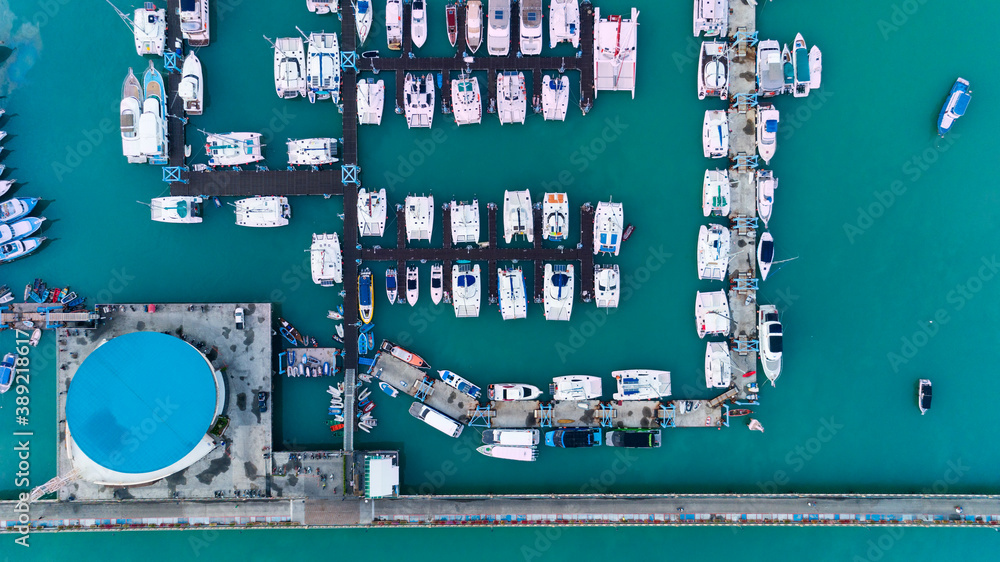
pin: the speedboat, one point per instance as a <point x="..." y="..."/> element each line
<point x="512" y="437"/>
<point x="641" y="384"/>
<point x="263" y="212"/>
<point x="184" y="210"/>
<point x="555" y="216"/>
<point x="289" y="67"/>
<point x="437" y="283"/>
<point x="474" y="25"/>
<point x="312" y="152"/>
<point x="419" y="216"/>
<point x="404" y="355"/>
<point x="371" y="100"/>
<point x="512" y="101"/>
<point x="498" y="33"/>
<point x="412" y="285"/>
<point x="149" y="25"/>
<point x="770" y="77"/>
<point x="608" y="225"/>
<point x="718" y="365"/>
<point x="15" y="208"/>
<point x="955" y="106"/>
<point x="326" y="260"/>
<point x="800" y="63"/>
<point x="715" y="193"/>
<point x="467" y="104"/>
<point x="715" y="134"/>
<point x="924" y="393"/>
<point x="7" y="372"/>
<point x="607" y="286"/>
<point x="815" y="68"/>
<point x="464" y="222"/>
<point x="711" y="17"/>
<point x="418" y="101"/>
<point x="322" y="7"/>
<point x="371" y="212"/>
<point x="564" y="22"/>
<point x="466" y="294"/>
<point x="531" y="27"/>
<point x="574" y="437"/>
<point x="460" y="384"/>
<point x="517" y="219"/>
<point x="765" y="254"/>
<point x="713" y="252"/>
<point x="507" y="392"/>
<point x="191" y="90"/>
<point x="524" y="454"/>
<point x="787" y="69"/>
<point x="394" y="24"/>
<point x="152" y="122"/>
<point x="713" y="70"/>
<point x="19" y="229"/>
<point x="558" y="294"/>
<point x="323" y="67"/>
<point x="513" y="300"/>
<point x="767" y="132"/>
<point x="388" y="389"/>
<point x="366" y="296"/>
<point x="19" y="248"/>
<point x="233" y="149"/>
<point x="451" y="20"/>
<point x="391" y="289"/>
<point x="615" y="52"/>
<point x="363" y="19"/>
<point x="633" y="438"/>
<point x="555" y="97"/>
<point x="194" y="22"/>
<point x="766" y="184"/>
<point x="711" y="314"/>
<point x="576" y="387"/>
<point x="130" y="109"/>
<point x="769" y="333"/>
<point x="418" y="23"/>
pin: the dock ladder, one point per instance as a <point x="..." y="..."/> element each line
<point x="745" y="163"/>
<point x="666" y="415"/>
<point x="482" y="416"/>
<point x="544" y="415"/>
<point x="173" y="173"/>
<point x="607" y="413"/>
<point x="423" y="389"/>
<point x="744" y="346"/>
<point x="171" y="60"/>
<point x="349" y="174"/>
<point x="282" y="362"/>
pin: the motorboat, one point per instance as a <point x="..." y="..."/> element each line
<point x="558" y="293"/>
<point x="371" y="101"/>
<point x="767" y="132"/>
<point x="576" y="387"/>
<point x="366" y="296"/>
<point x="289" y="67"/>
<point x="615" y="40"/>
<point x="498" y="32"/>
<point x="713" y="252"/>
<point x="517" y="216"/>
<point x="711" y="17"/>
<point x="766" y="184"/>
<point x="711" y="312"/>
<point x="555" y="216"/>
<point x="460" y="384"/>
<point x="715" y="134"/>
<point x="512" y="101"/>
<point x="555" y="97"/>
<point x="464" y="222"/>
<point x="641" y="384"/>
<point x="404" y="355"/>
<point x="7" y="372"/>
<point x="718" y="365"/>
<point x="564" y="22"/>
<point x="149" y="25"/>
<point x="263" y="212"/>
<point x="388" y="389"/>
<point x="19" y="248"/>
<point x="507" y="392"/>
<point x="787" y="69"/>
<point x="130" y="111"/>
<point x="474" y="25"/>
<point x="394" y="24"/>
<point x="5" y="185"/>
<point x="512" y="437"/>
<point x="608" y="225"/>
<point x="466" y="101"/>
<point x="233" y="149"/>
<point x="412" y="285"/>
<point x="180" y="209"/>
<point x="326" y="260"/>
<point x="419" y="215"/>
<point x="800" y="62"/>
<point x="524" y="454"/>
<point x="418" y="103"/>
<point x="466" y="293"/>
<point x="815" y="68"/>
<point x="924" y="390"/>
<point x="713" y="70"/>
<point x="322" y="7"/>
<point x="195" y="22"/>
<point x="152" y="122"/>
<point x="765" y="254"/>
<point x="769" y="333"/>
<point x="437" y="283"/>
<point x="191" y="89"/>
<point x="312" y="152"/>
<point x="17" y="207"/>
<point x="289" y="332"/>
<point x="574" y="437"/>
<point x="531" y="27"/>
<point x="323" y="67"/>
<point x="513" y="298"/>
<point x="954" y="106"/>
<point x="633" y="438"/>
<point x="335" y="314"/>
<point x="371" y="212"/>
<point x="418" y="23"/>
<point x="436" y="419"/>
<point x="20" y="229"/>
<point x="716" y="193"/>
<point x="770" y="73"/>
<point x="451" y="21"/>
<point x="607" y="286"/>
<point x="363" y="19"/>
<point x="391" y="288"/>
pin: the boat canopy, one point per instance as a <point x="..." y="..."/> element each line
<point x="771" y="126"/>
<point x="961" y="104"/>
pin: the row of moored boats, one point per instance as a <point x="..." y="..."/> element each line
<point x="16" y="227"/>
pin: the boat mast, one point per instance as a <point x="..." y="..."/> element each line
<point x="272" y="44"/>
<point x="128" y="21"/>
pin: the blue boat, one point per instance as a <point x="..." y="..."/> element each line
<point x="461" y="384"/>
<point x="20" y="248"/>
<point x="7" y="372"/>
<point x="574" y="437"/>
<point x="13" y="209"/>
<point x="362" y="344"/>
<point x="20" y="229"/>
<point x="386" y="388"/>
<point x="955" y="106"/>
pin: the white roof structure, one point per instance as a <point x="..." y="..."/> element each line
<point x="381" y="477"/>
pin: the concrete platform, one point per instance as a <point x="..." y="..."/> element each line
<point x="300" y="474"/>
<point x="291" y="361"/>
<point x="410" y="380"/>
<point x="699" y="414"/>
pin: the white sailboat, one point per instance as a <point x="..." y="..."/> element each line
<point x="233" y="149"/>
<point x="715" y="134"/>
<point x="418" y="23"/>
<point x="615" y="52"/>
<point x="419" y="100"/>
<point x="711" y="17"/>
<point x="558" y="294"/>
<point x="363" y="19"/>
<point x="263" y="212"/>
<point x="464" y="222"/>
<point x="312" y="152"/>
<point x="513" y="299"/>
<point x="766" y="184"/>
<point x="321" y="7"/>
<point x="718" y="365"/>
<point x="289" y="67"/>
<point x="576" y="387"/>
<point x="371" y="100"/>
<point x="323" y="67"/>
<point x="437" y="283"/>
<point x="564" y="22"/>
<point x="419" y="216"/>
<point x="711" y="312"/>
<point x="130" y="111"/>
<point x="512" y="101"/>
<point x="607" y="286"/>
<point x="498" y="30"/>
<point x="191" y="90"/>
<point x="641" y="384"/>
<point x="394" y="24"/>
<point x="517" y="219"/>
<point x="715" y="193"/>
<point x="194" y="22"/>
<point x="765" y="254"/>
<point x="770" y="334"/>
<point x="181" y="210"/>
<point x="713" y="70"/>
<point x="466" y="294"/>
<point x="555" y="98"/>
<point x="326" y="260"/>
<point x="555" y="216"/>
<point x="371" y="212"/>
<point x="474" y="25"/>
<point x="531" y="27"/>
<point x="713" y="252"/>
<point x="467" y="104"/>
<point x="412" y="285"/>
<point x="609" y="221"/>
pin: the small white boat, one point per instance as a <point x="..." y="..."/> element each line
<point x="609" y="222"/>
<point x="716" y="193"/>
<point x="460" y="384"/>
<point x="23" y="228"/>
<point x="718" y="365"/>
<point x="524" y="454"/>
<point x="418" y="101"/>
<point x="641" y="384"/>
<point x="711" y="313"/>
<point x="558" y="291"/>
<point x="371" y="212"/>
<point x="184" y="210"/>
<point x="512" y="101"/>
<point x="18" y="249"/>
<point x="576" y="387"/>
<point x="564" y="23"/>
<point x="615" y="45"/>
<point x="312" y="152"/>
<point x="264" y="212"/>
<point x="531" y="27"/>
<point x="815" y="68"/>
<point x="437" y="283"/>
<point x="767" y="132"/>
<point x="334" y="315"/>
<point x="713" y="252"/>
<point x="800" y="64"/>
<point x="711" y="17"/>
<point x="394" y="24"/>
<point x="715" y="134"/>
<point x="713" y="70"/>
<point x="418" y="22"/>
<point x="371" y="101"/>
<point x="194" y="22"/>
<point x="322" y="7"/>
<point x="191" y="90"/>
<point x="765" y="254"/>
<point x="607" y="286"/>
<point x="233" y="149"/>
<point x="150" y="29"/>
<point x="363" y="19"/>
<point x="36" y="336"/>
<point x="770" y="73"/>
<point x="555" y="97"/>
<point x="412" y="285"/>
<point x="289" y="67"/>
<point x="555" y="216"/>
<point x="924" y="394"/>
<point x="466" y="101"/>
<point x="391" y="286"/>
<point x="323" y="67"/>
<point x="517" y="219"/>
<point x="766" y="184"/>
<point x="474" y="25"/>
<point x="755" y="425"/>
<point x="513" y="299"/>
<point x="130" y="111"/>
<point x="326" y="260"/>
<point x="770" y="334"/>
<point x="498" y="32"/>
<point x="466" y="293"/>
<point x="506" y="392"/>
<point x="512" y="437"/>
<point x="419" y="215"/>
<point x="464" y="222"/>
<point x="5" y="186"/>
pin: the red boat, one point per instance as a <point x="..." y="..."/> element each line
<point x="628" y="232"/>
<point x="452" y="19"/>
<point x="738" y="413"/>
<point x="404" y="355"/>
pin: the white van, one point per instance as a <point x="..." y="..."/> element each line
<point x="436" y="419"/>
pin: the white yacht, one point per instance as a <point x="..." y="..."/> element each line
<point x="715" y="134"/>
<point x="815" y="68"/>
<point x="765" y="254"/>
<point x="419" y="217"/>
<point x="513" y="299"/>
<point x="289" y="67"/>
<point x="531" y="27"/>
<point x="394" y="24"/>
<point x="371" y="100"/>
<point x="323" y="67"/>
<point x="615" y="52"/>
<point x="412" y="285"/>
<point x="770" y="73"/>
<point x="194" y="22"/>
<point x="263" y="211"/>
<point x="363" y="19"/>
<point x="498" y="30"/>
<point x="770" y="333"/>
<point x="711" y="17"/>
<point x="153" y="121"/>
<point x="555" y="216"/>
<point x="711" y="313"/>
<point x="713" y="70"/>
<point x="312" y="152"/>
<point x="512" y="437"/>
<point x="564" y="22"/>
<point x="512" y="100"/>
<point x="466" y="294"/>
<point x="391" y="286"/>
<point x="326" y="260"/>
<point x="474" y="25"/>
<point x="130" y="110"/>
<point x="466" y="101"/>
<point x="232" y="149"/>
<point x="191" y="90"/>
<point x="576" y="387"/>
<point x="437" y="283"/>
<point x="418" y="23"/>
<point x="713" y="252"/>
<point x="715" y="193"/>
<point x="419" y="100"/>
<point x="718" y="365"/>
<point x="517" y="219"/>
<point x="609" y="221"/>
<point x="322" y="7"/>
<point x="802" y="82"/>
<point x="641" y="384"/>
<point x="507" y="452"/>
<point x="607" y="286"/>
<point x="767" y="132"/>
<point x="150" y="28"/>
<point x="464" y="222"/>
<point x="766" y="184"/>
<point x="371" y="212"/>
<point x="184" y="210"/>
<point x="558" y="295"/>
<point x="555" y="98"/>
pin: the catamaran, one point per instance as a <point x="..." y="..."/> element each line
<point x="767" y="131"/>
<point x="506" y="392"/>
<point x="437" y="283"/>
<point x="391" y="287"/>
<point x="713" y="70"/>
<point x="467" y="105"/>
<point x="233" y="149"/>
<point x="715" y="134"/>
<point x="17" y="207"/>
<point x="765" y="254"/>
<point x="322" y="6"/>
<point x="513" y="300"/>
<point x="149" y="27"/>
<point x="713" y="252"/>
<point x="363" y="19"/>
<point x="512" y="101"/>
<point x="419" y="100"/>
<point x="130" y="110"/>
<point x="418" y="23"/>
<point x="608" y="225"/>
<point x="641" y="384"/>
<point x="524" y="454"/>
<point x="371" y="99"/>
<point x="20" y="229"/>
<point x="18" y="249"/>
<point x="498" y="34"/>
<point x="474" y="24"/>
<point x="555" y="216"/>
<point x="718" y="365"/>
<point x="607" y="286"/>
<point x="711" y="314"/>
<point x="766" y="184"/>
<point x="312" y="152"/>
<point x="289" y="67"/>
<point x="564" y="23"/>
<point x="770" y="334"/>
<point x="323" y="67"/>
<point x="191" y="90"/>
<point x="800" y="63"/>
<point x="152" y="122"/>
<point x="555" y="98"/>
<point x="419" y="216"/>
<point x="263" y="212"/>
<point x="711" y="17"/>
<point x="576" y="387"/>
<point x="184" y="210"/>
<point x="512" y="437"/>
<point x="715" y="193"/>
<point x="615" y="52"/>
<point x="194" y="22"/>
<point x="466" y="295"/>
<point x="558" y="291"/>
<point x="325" y="260"/>
<point x="371" y="212"/>
<point x="531" y="27"/>
<point x="366" y="296"/>
<point x="954" y="106"/>
<point x="412" y="285"/>
<point x="517" y="219"/>
<point x="464" y="222"/>
<point x="770" y="74"/>
<point x="460" y="384"/>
